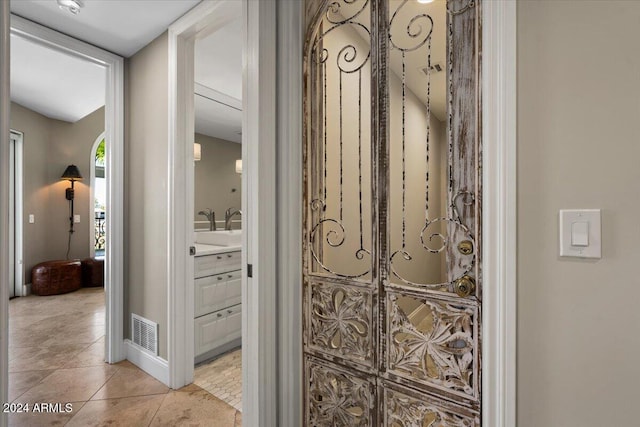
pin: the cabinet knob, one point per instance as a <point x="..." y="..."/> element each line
<point x="229" y="255"/>
<point x="229" y="276"/>
<point x="230" y="311"/>
<point x="219" y="314"/>
<point x="219" y="257"/>
<point x="219" y="277"/>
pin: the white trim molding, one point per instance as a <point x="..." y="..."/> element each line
<point x="289" y="211"/>
<point x="499" y="214"/>
<point x="4" y="206"/>
<point x="19" y="287"/>
<point x="114" y="151"/>
<point x="153" y="365"/>
<point x="259" y="150"/>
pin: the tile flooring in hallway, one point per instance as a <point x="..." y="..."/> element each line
<point x="222" y="377"/>
<point x="56" y="349"/>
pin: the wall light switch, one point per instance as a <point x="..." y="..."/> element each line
<point x="32" y="219"/>
<point x="76" y="219"/>
<point x="580" y="233"/>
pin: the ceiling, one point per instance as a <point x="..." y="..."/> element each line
<point x="66" y="88"/>
<point x="119" y="26"/>
<point x="54" y="84"/>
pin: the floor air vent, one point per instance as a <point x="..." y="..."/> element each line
<point x="144" y="333"/>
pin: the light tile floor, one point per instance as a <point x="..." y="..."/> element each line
<point x="56" y="350"/>
<point x="222" y="377"/>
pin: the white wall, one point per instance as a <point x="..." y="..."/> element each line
<point x="578" y="142"/>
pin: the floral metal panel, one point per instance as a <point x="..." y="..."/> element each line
<point x="407" y="409"/>
<point x="338" y="398"/>
<point x="392" y="207"/>
<point x="432" y="342"/>
<point x="340" y="321"/>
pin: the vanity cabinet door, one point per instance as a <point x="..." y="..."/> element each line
<point x="233" y="323"/>
<point x="210" y="294"/>
<point x="210" y="332"/>
<point x="232" y="288"/>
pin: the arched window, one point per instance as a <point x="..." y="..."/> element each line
<point x="98" y="198"/>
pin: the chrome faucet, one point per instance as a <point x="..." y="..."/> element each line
<point x="230" y="213"/>
<point x="211" y="217"/>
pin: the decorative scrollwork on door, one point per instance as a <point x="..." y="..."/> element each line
<point x="339" y="234"/>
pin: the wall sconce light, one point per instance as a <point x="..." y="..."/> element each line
<point x="197" y="152"/>
<point x="239" y="166"/>
<point x="71" y="173"/>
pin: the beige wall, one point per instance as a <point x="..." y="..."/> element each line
<point x="216" y="179"/>
<point x="146" y="159"/>
<point x="71" y="143"/>
<point x="49" y="147"/>
<point x="578" y="129"/>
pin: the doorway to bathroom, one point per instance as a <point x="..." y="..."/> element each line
<point x="258" y="257"/>
<point x="217" y="210"/>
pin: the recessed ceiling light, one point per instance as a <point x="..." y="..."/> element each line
<point x="425" y="1"/>
<point x="72" y="6"/>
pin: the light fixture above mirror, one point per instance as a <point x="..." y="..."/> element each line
<point x="72" y="6"/>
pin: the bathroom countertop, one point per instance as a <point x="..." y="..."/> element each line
<point x="202" y="249"/>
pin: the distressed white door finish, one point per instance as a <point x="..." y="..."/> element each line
<point x="392" y="249"/>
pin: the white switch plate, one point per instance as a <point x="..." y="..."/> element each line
<point x="32" y="219"/>
<point x="580" y="233"/>
<point x="76" y="219"/>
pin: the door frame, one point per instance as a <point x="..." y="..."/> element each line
<point x="114" y="135"/>
<point x="4" y="204"/>
<point x="16" y="251"/>
<point x="499" y="213"/>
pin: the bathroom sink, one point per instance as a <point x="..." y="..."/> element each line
<point x="219" y="238"/>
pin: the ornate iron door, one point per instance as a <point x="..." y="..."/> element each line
<point x="392" y="279"/>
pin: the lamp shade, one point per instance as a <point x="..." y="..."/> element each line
<point x="71" y="173"/>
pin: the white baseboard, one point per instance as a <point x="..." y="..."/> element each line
<point x="26" y="289"/>
<point x="153" y="365"/>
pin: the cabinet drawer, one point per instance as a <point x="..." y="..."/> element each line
<point x="233" y="291"/>
<point x="233" y="325"/>
<point x="217" y="329"/>
<point x="210" y="332"/>
<point x="229" y="261"/>
<point x="214" y="264"/>
<point x="210" y="294"/>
